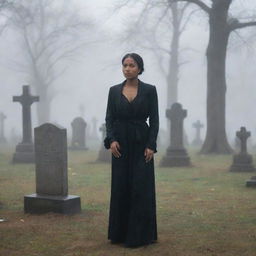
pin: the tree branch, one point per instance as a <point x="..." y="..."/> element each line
<point x="162" y="17"/>
<point x="182" y="27"/>
<point x="202" y="5"/>
<point x="240" y="25"/>
<point x="183" y="9"/>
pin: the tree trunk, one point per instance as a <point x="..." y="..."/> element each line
<point x="216" y="139"/>
<point x="41" y="89"/>
<point x="173" y="72"/>
<point x="43" y="111"/>
<point x="172" y="77"/>
<point x="44" y="104"/>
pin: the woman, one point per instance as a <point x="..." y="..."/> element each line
<point x="132" y="218"/>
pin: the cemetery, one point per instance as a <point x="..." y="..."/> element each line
<point x="202" y="210"/>
<point x="184" y="131"/>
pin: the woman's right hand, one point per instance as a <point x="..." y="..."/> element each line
<point x="114" y="148"/>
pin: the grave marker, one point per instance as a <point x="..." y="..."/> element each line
<point x="176" y="154"/>
<point x="51" y="174"/>
<point x="25" y="150"/>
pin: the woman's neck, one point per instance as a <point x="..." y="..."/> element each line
<point x="132" y="82"/>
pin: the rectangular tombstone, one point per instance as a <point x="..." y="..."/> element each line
<point x="51" y="174"/>
<point x="78" y="134"/>
<point x="51" y="160"/>
<point x="252" y="182"/>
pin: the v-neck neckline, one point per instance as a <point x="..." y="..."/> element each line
<point x="138" y="90"/>
<point x="128" y="100"/>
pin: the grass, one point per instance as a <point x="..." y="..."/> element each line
<point x="201" y="210"/>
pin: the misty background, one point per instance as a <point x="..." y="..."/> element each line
<point x="82" y="89"/>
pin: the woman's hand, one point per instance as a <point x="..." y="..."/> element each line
<point x="114" y="148"/>
<point x="148" y="153"/>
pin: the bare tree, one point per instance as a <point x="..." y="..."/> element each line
<point x="158" y="29"/>
<point x="50" y="32"/>
<point x="221" y="25"/>
<point x="4" y="6"/>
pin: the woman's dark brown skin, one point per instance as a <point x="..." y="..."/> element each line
<point x="130" y="90"/>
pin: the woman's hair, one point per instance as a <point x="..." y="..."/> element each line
<point x="136" y="57"/>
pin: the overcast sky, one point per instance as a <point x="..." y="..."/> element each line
<point x="88" y="79"/>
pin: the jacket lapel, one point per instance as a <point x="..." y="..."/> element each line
<point x="137" y="104"/>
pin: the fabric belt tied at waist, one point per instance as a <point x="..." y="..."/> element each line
<point x="136" y="124"/>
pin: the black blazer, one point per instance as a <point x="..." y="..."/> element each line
<point x="145" y="106"/>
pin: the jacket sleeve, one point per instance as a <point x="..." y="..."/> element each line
<point x="109" y="122"/>
<point x="153" y="120"/>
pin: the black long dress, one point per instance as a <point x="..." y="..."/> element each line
<point x="132" y="218"/>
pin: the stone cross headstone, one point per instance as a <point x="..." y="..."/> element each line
<point x="176" y="154"/>
<point x="242" y="162"/>
<point x="104" y="155"/>
<point x="237" y="144"/>
<point x="243" y="135"/>
<point x="197" y="141"/>
<point x="25" y="150"/>
<point x="51" y="174"/>
<point x="78" y="134"/>
<point x="2" y="136"/>
<point x="176" y="115"/>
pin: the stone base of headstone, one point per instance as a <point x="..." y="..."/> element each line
<point x="252" y="182"/>
<point x="242" y="163"/>
<point x="39" y="204"/>
<point x="24" y="153"/>
<point x="175" y="157"/>
<point x="104" y="156"/>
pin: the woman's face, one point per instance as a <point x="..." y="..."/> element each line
<point x="130" y="68"/>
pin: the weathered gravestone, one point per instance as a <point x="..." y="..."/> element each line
<point x="78" y="134"/>
<point x="176" y="154"/>
<point x="51" y="174"/>
<point x="252" y="182"/>
<point x="242" y="162"/>
<point x="237" y="144"/>
<point x="197" y="141"/>
<point x="25" y="150"/>
<point x="2" y="136"/>
<point x="104" y="155"/>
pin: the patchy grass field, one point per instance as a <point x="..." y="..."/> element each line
<point x="201" y="210"/>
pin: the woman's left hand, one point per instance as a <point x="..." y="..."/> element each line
<point x="148" y="153"/>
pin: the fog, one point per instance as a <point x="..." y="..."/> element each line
<point x="87" y="78"/>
